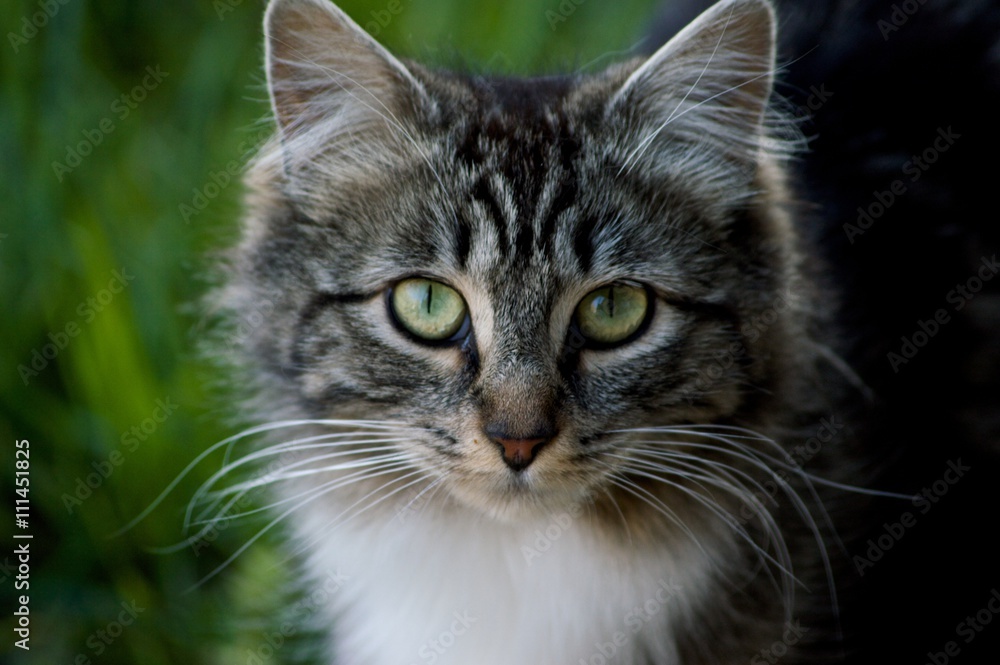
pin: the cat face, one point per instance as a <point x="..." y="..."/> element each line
<point x="518" y="270"/>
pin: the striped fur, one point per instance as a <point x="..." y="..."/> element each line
<point x="525" y="195"/>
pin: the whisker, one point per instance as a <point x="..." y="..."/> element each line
<point x="614" y="502"/>
<point x="203" y="492"/>
<point x="231" y="441"/>
<point x="652" y="500"/>
<point x="433" y="488"/>
<point x="782" y="460"/>
<point x="646" y="497"/>
<point x="315" y="495"/>
<point x="784" y="565"/>
<point x="340" y="518"/>
<point x="279" y="477"/>
<point x="330" y="485"/>
<point x="737" y="437"/>
<point x="691" y="460"/>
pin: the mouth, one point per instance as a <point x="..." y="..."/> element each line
<point x="509" y="495"/>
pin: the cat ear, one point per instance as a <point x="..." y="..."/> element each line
<point x="335" y="91"/>
<point x="710" y="83"/>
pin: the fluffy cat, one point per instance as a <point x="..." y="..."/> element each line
<point x="553" y="369"/>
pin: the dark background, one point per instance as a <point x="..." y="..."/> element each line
<point x="92" y="183"/>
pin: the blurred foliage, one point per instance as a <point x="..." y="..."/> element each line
<point x="115" y="115"/>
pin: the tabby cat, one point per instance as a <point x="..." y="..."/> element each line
<point x="552" y="368"/>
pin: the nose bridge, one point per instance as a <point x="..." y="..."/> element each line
<point x="518" y="382"/>
<point x="519" y="403"/>
<point x="516" y="362"/>
<point x="518" y="388"/>
<point x="521" y="323"/>
<point x="518" y="375"/>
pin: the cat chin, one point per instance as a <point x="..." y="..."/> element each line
<point x="517" y="501"/>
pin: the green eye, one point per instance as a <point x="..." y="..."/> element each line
<point x="612" y="314"/>
<point x="428" y="309"/>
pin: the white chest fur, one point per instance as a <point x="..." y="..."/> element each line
<point x="464" y="589"/>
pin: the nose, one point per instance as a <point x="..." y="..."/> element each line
<point x="519" y="451"/>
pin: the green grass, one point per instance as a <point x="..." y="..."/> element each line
<point x="121" y="345"/>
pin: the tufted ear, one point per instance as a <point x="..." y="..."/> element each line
<point x="710" y="83"/>
<point x="344" y="105"/>
<point x="322" y="65"/>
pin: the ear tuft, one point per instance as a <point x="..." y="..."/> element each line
<point x="347" y="110"/>
<point x="321" y="64"/>
<point x="710" y="84"/>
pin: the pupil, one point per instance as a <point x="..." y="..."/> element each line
<point x="429" y="287"/>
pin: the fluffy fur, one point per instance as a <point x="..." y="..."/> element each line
<point x="684" y="505"/>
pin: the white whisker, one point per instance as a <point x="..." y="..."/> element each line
<point x="203" y="493"/>
<point x="270" y="525"/>
<point x="331" y="485"/>
<point x="233" y="440"/>
<point x="244" y="488"/>
<point x="784" y="565"/>
<point x="340" y="518"/>
<point x="653" y="501"/>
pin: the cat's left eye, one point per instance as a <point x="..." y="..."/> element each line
<point x="428" y="310"/>
<point x="613" y="314"/>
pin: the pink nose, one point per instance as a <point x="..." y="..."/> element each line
<point x="519" y="453"/>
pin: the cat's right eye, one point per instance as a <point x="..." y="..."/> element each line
<point x="428" y="310"/>
<point x="613" y="314"/>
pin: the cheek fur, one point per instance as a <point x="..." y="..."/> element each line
<point x="525" y="196"/>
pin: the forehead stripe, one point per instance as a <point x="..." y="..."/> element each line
<point x="583" y="241"/>
<point x="481" y="192"/>
<point x="463" y="241"/>
<point x="564" y="198"/>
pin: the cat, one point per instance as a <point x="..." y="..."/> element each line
<point x="558" y="370"/>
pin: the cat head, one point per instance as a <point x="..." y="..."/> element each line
<point x="518" y="269"/>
